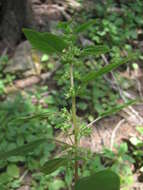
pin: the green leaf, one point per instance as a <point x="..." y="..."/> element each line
<point x="56" y="184"/>
<point x="135" y="66"/>
<point x="108" y="153"/>
<point x="117" y="108"/>
<point x="4" y="178"/>
<point x="44" y="58"/>
<point x="22" y="150"/>
<point x="122" y="149"/>
<point x="45" y="42"/>
<point x="53" y="165"/>
<point x="13" y="171"/>
<point x="135" y="141"/>
<point x="128" y="158"/>
<point x="2" y="187"/>
<point x="84" y="26"/>
<point x="95" y="50"/>
<point x="106" y="69"/>
<point x="140" y="130"/>
<point x="103" y="180"/>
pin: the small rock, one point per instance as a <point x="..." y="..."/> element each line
<point x="22" y="60"/>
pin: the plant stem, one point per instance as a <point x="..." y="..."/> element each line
<point x="74" y="120"/>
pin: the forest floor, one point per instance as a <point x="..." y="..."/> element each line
<point x="106" y="132"/>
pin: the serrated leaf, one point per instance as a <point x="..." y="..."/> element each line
<point x="95" y="50"/>
<point x="106" y="69"/>
<point x="13" y="171"/>
<point x="22" y="150"/>
<point x="84" y="26"/>
<point x="103" y="180"/>
<point x="45" y="42"/>
<point x="53" y="165"/>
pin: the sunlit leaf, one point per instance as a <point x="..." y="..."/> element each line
<point x="106" y="69"/>
<point x="135" y="141"/>
<point x="103" y="180"/>
<point x="45" y="42"/>
<point x="84" y="26"/>
<point x="44" y="58"/>
<point x="95" y="50"/>
<point x="13" y="171"/>
<point x="53" y="165"/>
<point x="56" y="184"/>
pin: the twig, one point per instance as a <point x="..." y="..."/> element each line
<point x="115" y="131"/>
<point x="132" y="112"/>
<point x="93" y="122"/>
<point x="139" y="88"/>
<point x="4" y="52"/>
<point x="114" y="87"/>
<point x="23" y="175"/>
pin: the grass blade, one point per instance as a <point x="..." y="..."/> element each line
<point x="106" y="69"/>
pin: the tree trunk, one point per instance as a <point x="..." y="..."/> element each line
<point x="37" y="14"/>
<point x="12" y="19"/>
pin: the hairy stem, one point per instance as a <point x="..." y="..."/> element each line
<point x="74" y="122"/>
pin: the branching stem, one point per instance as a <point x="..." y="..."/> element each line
<point x="74" y="120"/>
